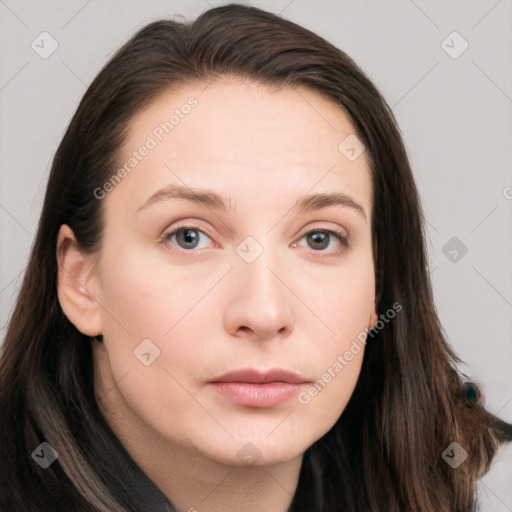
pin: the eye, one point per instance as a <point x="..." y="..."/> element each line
<point x="186" y="237"/>
<point x="320" y="239"/>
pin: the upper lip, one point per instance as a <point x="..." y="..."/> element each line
<point x="254" y="376"/>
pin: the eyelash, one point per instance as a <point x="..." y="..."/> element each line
<point x="343" y="239"/>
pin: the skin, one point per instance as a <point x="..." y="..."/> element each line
<point x="208" y="310"/>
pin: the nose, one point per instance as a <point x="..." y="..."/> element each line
<point x="259" y="302"/>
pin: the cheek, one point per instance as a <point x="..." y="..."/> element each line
<point x="180" y="309"/>
<point x="145" y="298"/>
<point x="326" y="398"/>
<point x="341" y="298"/>
<point x="346" y="309"/>
<point x="151" y="319"/>
<point x="145" y="295"/>
<point x="344" y="303"/>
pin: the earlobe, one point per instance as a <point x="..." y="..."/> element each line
<point x="373" y="319"/>
<point x="77" y="284"/>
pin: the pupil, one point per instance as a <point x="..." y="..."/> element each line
<point x="319" y="238"/>
<point x="188" y="235"/>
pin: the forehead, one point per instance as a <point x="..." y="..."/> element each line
<point x="244" y="138"/>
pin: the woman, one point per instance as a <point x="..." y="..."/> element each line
<point x="227" y="305"/>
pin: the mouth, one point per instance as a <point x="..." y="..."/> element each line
<point x="253" y="388"/>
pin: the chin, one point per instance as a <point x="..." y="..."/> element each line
<point x="255" y="450"/>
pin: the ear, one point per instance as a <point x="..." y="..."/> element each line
<point x="77" y="284"/>
<point x="373" y="319"/>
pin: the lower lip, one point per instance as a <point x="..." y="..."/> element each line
<point x="257" y="395"/>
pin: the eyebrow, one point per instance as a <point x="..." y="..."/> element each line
<point x="202" y="197"/>
<point x="212" y="200"/>
<point x="316" y="201"/>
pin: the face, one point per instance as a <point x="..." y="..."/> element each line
<point x="228" y="316"/>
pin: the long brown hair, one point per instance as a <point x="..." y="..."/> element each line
<point x="384" y="453"/>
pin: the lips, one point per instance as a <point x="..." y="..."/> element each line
<point x="252" y="376"/>
<point x="253" y="388"/>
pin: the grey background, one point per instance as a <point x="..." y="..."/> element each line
<point x="455" y="115"/>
